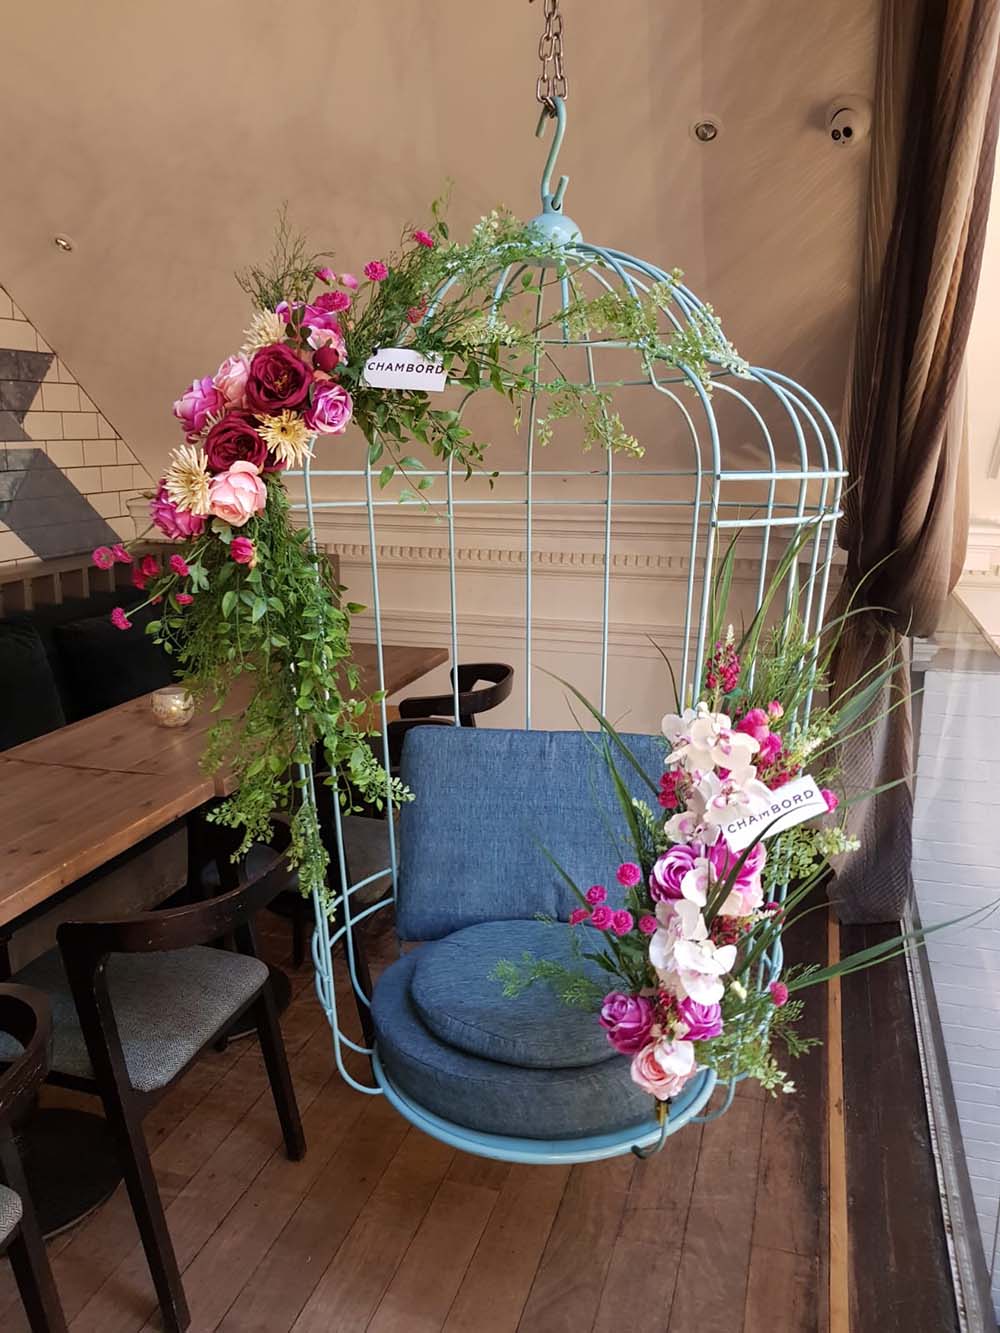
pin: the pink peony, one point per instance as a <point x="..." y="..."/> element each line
<point x="376" y="270"/>
<point x="231" y="379"/>
<point x="150" y="567"/>
<point x="597" y="893"/>
<point x="578" y="914"/>
<point x="196" y="405"/>
<point x="179" y="565"/>
<point x="119" y="619"/>
<point x="663" y="1067"/>
<point x="183" y="598"/>
<point x="235" y="496"/>
<point x="702" y="1021"/>
<point x="174" y="523"/>
<point x="628" y="874"/>
<point x="424" y="238"/>
<point x="602" y="917"/>
<point x="627" y="1020"/>
<point x="243" y="551"/>
<point x="779" y="993"/>
<point x="349" y="280"/>
<point x="648" y="925"/>
<point x="331" y="410"/>
<point x="668" y="872"/>
<point x="103" y="557"/>
<point x="623" y="922"/>
<point x="121" y="556"/>
<point x="830" y="797"/>
<point x="326" y="274"/>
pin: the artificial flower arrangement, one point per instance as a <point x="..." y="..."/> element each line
<point x="689" y="936"/>
<point x="246" y="595"/>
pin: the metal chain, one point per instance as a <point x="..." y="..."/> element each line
<point x="551" y="83"/>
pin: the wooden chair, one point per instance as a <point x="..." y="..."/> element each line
<point x="24" y="1017"/>
<point x="135" y="1002"/>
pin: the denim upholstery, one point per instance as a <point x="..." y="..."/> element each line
<point x="457" y="998"/>
<point x="488" y="1095"/>
<point x="486" y="804"/>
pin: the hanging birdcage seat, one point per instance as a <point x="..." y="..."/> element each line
<point x="478" y="884"/>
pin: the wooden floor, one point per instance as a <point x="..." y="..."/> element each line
<point x="382" y="1228"/>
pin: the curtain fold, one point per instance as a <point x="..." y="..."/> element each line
<point x="906" y="508"/>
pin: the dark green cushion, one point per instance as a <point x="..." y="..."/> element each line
<point x="31" y="705"/>
<point x="103" y="666"/>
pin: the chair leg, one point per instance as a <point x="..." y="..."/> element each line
<point x="147" y="1205"/>
<point x="276" y="1062"/>
<point x="33" y="1276"/>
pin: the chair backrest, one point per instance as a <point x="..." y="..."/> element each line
<point x="471" y="700"/>
<point x="24" y="1015"/>
<point x="488" y="807"/>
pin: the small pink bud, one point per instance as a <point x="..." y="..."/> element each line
<point x="779" y="993"/>
<point x="596" y="894"/>
<point x="180" y="566"/>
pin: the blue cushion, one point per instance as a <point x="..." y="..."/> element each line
<point x="486" y="805"/>
<point x="490" y="1096"/>
<point x="458" y="999"/>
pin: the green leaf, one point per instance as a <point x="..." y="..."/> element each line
<point x="259" y="610"/>
<point x="386" y="475"/>
<point x="228" y="602"/>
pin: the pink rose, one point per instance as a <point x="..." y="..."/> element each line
<point x="831" y="798"/>
<point x="670" y="869"/>
<point x="119" y="619"/>
<point x="326" y="274"/>
<point x="629" y="874"/>
<point x="663" y="1067"/>
<point x="376" y="271"/>
<point x="596" y="894"/>
<point x="627" y="1020"/>
<point x="424" y="238"/>
<point x="103" y="558"/>
<point x="177" y="524"/>
<point x="602" y="917"/>
<point x="179" y="565"/>
<point x="702" y="1021"/>
<point x="235" y="496"/>
<point x="331" y="410"/>
<point x="243" y="551"/>
<point x="196" y="405"/>
<point x="231" y="379"/>
<point x="349" y="280"/>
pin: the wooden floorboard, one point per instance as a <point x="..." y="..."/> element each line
<point x="381" y="1228"/>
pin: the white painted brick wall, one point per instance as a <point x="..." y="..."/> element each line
<point x="956" y="868"/>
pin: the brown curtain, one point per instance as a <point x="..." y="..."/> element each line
<point x="906" y="510"/>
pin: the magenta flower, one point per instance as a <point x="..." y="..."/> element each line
<point x="602" y="917"/>
<point x="331" y="410"/>
<point x="756" y="723"/>
<point x="349" y="280"/>
<point x="596" y="894"/>
<point x="138" y="579"/>
<point x="318" y="314"/>
<point x="424" y="238"/>
<point x="648" y="925"/>
<point x="668" y="796"/>
<point x="703" y="1021"/>
<point x="623" y="922"/>
<point x="243" y="551"/>
<point x="376" y="271"/>
<point x="103" y="558"/>
<point x="830" y="797"/>
<point x="177" y="524"/>
<point x="119" y="619"/>
<point x="179" y="565"/>
<point x="121" y="556"/>
<point x="779" y="993"/>
<point x="149" y="567"/>
<point x="183" y="598"/>
<point x="326" y="274"/>
<point x="627" y="1020"/>
<point x="195" y="405"/>
<point x="577" y="915"/>
<point x="629" y="874"/>
<point x="669" y="871"/>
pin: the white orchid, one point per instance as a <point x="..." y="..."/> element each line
<point x="700" y="966"/>
<point x="730" y="798"/>
<point x="707" y="741"/>
<point x="678" y="920"/>
<point x="676" y="725"/>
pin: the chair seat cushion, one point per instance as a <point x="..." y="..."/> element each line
<point x="166" y="1005"/>
<point x="31" y="700"/>
<point x="459" y="1000"/>
<point x="491" y="1096"/>
<point x="10" y="1212"/>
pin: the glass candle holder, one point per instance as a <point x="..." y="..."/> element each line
<point x="172" y="706"/>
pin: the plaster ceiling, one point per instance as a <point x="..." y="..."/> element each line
<point x="162" y="137"/>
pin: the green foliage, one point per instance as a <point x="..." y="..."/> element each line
<point x="571" y="987"/>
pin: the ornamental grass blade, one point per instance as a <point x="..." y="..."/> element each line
<point x="607" y="728"/>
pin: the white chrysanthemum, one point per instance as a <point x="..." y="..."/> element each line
<point x="265" y="328"/>
<point x="288" y="438"/>
<point x="187" y="480"/>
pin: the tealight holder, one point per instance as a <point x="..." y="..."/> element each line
<point x="172" y="706"/>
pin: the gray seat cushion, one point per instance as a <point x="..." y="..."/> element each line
<point x="488" y="1095"/>
<point x="10" y="1212"/>
<point x="458" y="999"/>
<point x="167" y="1006"/>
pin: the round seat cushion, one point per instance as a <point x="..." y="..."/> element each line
<point x="491" y="1096"/>
<point x="460" y="1001"/>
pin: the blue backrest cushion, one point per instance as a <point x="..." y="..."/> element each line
<point x="487" y="802"/>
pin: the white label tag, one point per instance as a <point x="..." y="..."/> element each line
<point x="402" y="368"/>
<point x="791" y="804"/>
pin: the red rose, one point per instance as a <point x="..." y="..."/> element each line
<point x="234" y="440"/>
<point x="278" y="379"/>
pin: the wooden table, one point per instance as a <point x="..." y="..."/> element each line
<point x="75" y="798"/>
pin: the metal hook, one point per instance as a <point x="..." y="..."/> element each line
<point x="552" y="202"/>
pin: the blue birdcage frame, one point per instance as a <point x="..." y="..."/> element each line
<point x="798" y="499"/>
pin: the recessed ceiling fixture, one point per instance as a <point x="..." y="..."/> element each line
<point x="706" y="130"/>
<point x="64" y="243"/>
